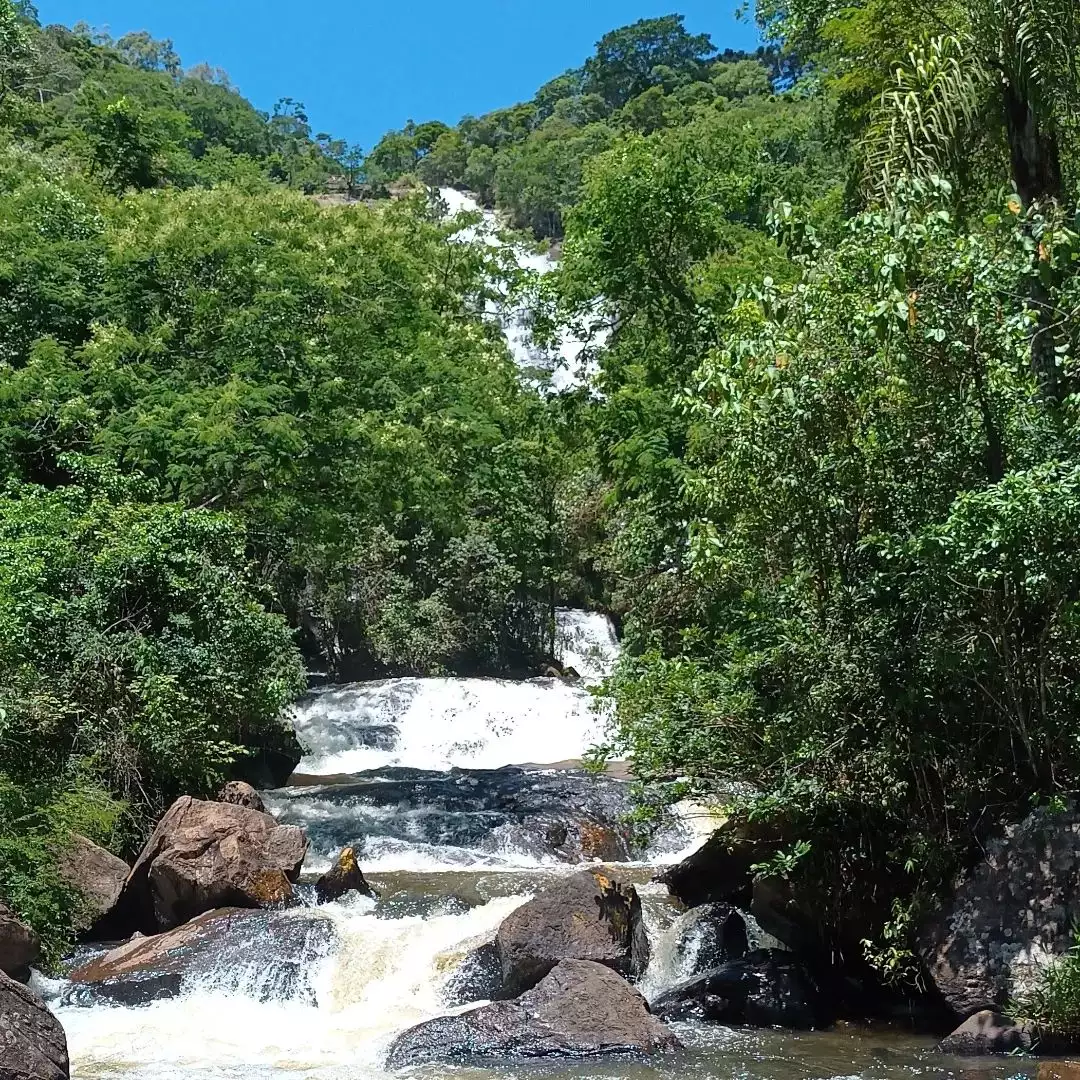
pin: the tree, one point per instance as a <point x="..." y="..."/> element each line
<point x="142" y="51"/>
<point x="625" y="60"/>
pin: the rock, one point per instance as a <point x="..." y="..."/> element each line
<point x="766" y="988"/>
<point x="477" y="978"/>
<point x="344" y="877"/>
<point x="708" y="937"/>
<point x="19" y="945"/>
<point x="97" y="874"/>
<point x="987" y="1032"/>
<point x="1010" y="917"/>
<point x="206" y="855"/>
<point x="721" y="869"/>
<point x="32" y="1042"/>
<point x="579" y="1010"/>
<point x="271" y="766"/>
<point x="268" y="955"/>
<point x="239" y="793"/>
<point x="587" y="916"/>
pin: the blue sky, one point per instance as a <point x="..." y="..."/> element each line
<point x="363" y="68"/>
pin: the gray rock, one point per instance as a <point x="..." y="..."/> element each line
<point x="708" y="937"/>
<point x="345" y="876"/>
<point x="32" y="1042"/>
<point x="1010" y="917"/>
<point x="766" y="988"/>
<point x="987" y="1032"/>
<point x="587" y="916"/>
<point x="19" y="946"/>
<point x="580" y="1010"/>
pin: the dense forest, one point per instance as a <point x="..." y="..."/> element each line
<point x="825" y="478"/>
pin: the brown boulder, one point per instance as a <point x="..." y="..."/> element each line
<point x="96" y="873"/>
<point x="987" y="1032"/>
<point x="19" y="946"/>
<point x="579" y="1010"/>
<point x="1010" y="917"/>
<point x="587" y="916"/>
<point x="206" y="855"/>
<point x="344" y="877"/>
<point x="239" y="793"/>
<point x="270" y="955"/>
<point x="32" y="1042"/>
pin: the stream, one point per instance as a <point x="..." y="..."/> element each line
<point x="463" y="797"/>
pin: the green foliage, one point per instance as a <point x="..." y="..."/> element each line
<point x="1052" y="1003"/>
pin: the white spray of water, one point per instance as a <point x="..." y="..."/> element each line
<point x="566" y="363"/>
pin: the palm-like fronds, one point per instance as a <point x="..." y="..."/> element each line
<point x="925" y="121"/>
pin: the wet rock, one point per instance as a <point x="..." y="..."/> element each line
<point x="267" y="955"/>
<point x="766" y="988"/>
<point x="987" y="1032"/>
<point x="580" y="1010"/>
<point x="478" y="978"/>
<point x="205" y="855"/>
<point x="587" y="916"/>
<point x="19" y="945"/>
<point x="344" y="877"/>
<point x="32" y="1042"/>
<point x="97" y="874"/>
<point x="1010" y="917"/>
<point x="708" y="937"/>
<point x="239" y="793"/>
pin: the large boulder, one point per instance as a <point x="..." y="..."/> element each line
<point x="586" y="916"/>
<point x="477" y="978"/>
<point x="1010" y="917"/>
<point x="708" y="937"/>
<point x="206" y="855"/>
<point x="19" y="945"/>
<point x="345" y="876"/>
<point x="239" y="793"/>
<point x="579" y="1010"/>
<point x="97" y="874"/>
<point x="766" y="988"/>
<point x="32" y="1042"/>
<point x="271" y="766"/>
<point x="267" y="955"/>
<point x="987" y="1032"/>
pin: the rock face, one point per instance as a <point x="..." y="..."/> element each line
<point x="32" y="1042"/>
<point x="19" y="946"/>
<point x="766" y="988"/>
<point x="206" y="855"/>
<point x="580" y="1010"/>
<point x="264" y="954"/>
<point x="239" y="793"/>
<point x="587" y="916"/>
<point x="987" y="1032"/>
<point x="96" y="873"/>
<point x="1010" y="917"/>
<point x="478" y="977"/>
<point x="709" y="937"/>
<point x="344" y="877"/>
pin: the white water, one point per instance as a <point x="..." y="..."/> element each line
<point x="566" y="365"/>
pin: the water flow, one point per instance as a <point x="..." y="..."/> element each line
<point x="570" y="362"/>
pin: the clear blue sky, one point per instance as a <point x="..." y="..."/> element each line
<point x="363" y="68"/>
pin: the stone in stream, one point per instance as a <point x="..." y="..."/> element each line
<point x="587" y="916"/>
<point x="477" y="978"/>
<point x="345" y="876"/>
<point x="579" y="1010"/>
<point x="987" y="1032"/>
<point x="97" y="874"/>
<point x="766" y="988"/>
<point x="32" y="1042"/>
<point x="19" y="946"/>
<point x="267" y="955"/>
<point x="206" y="855"/>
